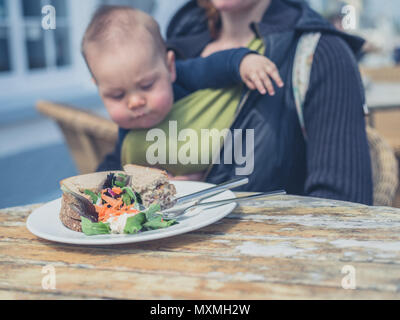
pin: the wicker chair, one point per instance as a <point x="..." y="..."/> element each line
<point x="384" y="169"/>
<point x="91" y="137"/>
<point x="386" y="122"/>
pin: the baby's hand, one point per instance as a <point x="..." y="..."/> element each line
<point x="256" y="71"/>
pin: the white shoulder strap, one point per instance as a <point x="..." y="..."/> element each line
<point x="302" y="71"/>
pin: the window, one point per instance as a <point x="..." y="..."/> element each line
<point x="34" y="42"/>
<point x="21" y="29"/>
<point x="5" y="64"/>
<point x="46" y="48"/>
<point x="25" y="47"/>
<point x="31" y="8"/>
<point x="34" y="60"/>
<point x="47" y="64"/>
<point x="3" y="9"/>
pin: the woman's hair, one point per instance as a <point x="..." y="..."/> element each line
<point x="213" y="16"/>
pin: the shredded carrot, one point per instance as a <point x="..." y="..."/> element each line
<point x="117" y="190"/>
<point x="109" y="200"/>
<point x="113" y="207"/>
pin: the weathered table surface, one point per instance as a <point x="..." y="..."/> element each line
<point x="281" y="248"/>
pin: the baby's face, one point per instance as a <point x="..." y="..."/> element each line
<point x="135" y="84"/>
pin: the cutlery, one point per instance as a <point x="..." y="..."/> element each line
<point x="176" y="212"/>
<point x="212" y="191"/>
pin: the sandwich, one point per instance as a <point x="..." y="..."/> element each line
<point x="152" y="185"/>
<point x="128" y="201"/>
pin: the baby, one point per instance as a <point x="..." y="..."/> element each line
<point x="138" y="78"/>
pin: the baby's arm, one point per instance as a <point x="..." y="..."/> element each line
<point x="227" y="68"/>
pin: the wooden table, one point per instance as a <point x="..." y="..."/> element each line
<point x="281" y="248"/>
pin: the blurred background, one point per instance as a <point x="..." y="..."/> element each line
<point x="38" y="64"/>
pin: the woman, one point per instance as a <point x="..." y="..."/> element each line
<point x="334" y="162"/>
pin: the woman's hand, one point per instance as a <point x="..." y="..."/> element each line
<point x="256" y="71"/>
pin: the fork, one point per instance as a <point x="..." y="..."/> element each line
<point x="176" y="212"/>
<point x="212" y="191"/>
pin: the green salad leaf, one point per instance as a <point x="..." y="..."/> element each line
<point x="130" y="193"/>
<point x="119" y="184"/>
<point x="158" y="223"/>
<point x="132" y="196"/>
<point x="126" y="199"/>
<point x="135" y="224"/>
<point x="94" y="197"/>
<point x="90" y="228"/>
<point x="151" y="212"/>
<point x="154" y="219"/>
<point x="121" y="180"/>
<point x="150" y="219"/>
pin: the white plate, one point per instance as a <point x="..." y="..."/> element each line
<point x="45" y="223"/>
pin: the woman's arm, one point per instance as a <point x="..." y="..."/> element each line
<point x="338" y="159"/>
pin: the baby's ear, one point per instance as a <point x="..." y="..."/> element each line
<point x="171" y="65"/>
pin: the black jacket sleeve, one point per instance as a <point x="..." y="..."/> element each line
<point x="338" y="158"/>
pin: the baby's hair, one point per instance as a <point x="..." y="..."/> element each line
<point x="116" y="23"/>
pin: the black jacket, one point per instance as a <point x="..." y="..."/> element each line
<point x="335" y="162"/>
